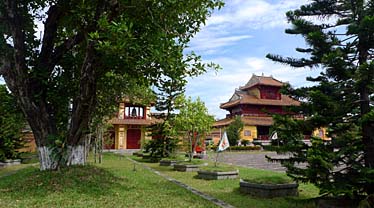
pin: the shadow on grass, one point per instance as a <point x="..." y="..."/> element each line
<point x="144" y="160"/>
<point x="89" y="180"/>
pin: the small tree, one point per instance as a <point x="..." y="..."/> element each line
<point x="11" y="124"/>
<point x="234" y="129"/>
<point x="192" y="120"/>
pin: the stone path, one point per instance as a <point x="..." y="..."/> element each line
<point x="216" y="201"/>
<point x="250" y="159"/>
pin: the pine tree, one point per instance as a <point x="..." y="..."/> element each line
<point x="340" y="40"/>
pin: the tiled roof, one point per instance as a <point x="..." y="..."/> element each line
<point x="247" y="120"/>
<point x="250" y="99"/>
<point x="262" y="80"/>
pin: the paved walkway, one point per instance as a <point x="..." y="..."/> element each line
<point x="250" y="159"/>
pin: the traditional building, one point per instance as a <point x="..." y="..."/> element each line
<point x="129" y="127"/>
<point x="254" y="103"/>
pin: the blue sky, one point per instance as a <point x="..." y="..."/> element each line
<point x="238" y="37"/>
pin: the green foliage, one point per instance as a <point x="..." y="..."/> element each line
<point x="339" y="100"/>
<point x="193" y="121"/>
<point x="233" y="131"/>
<point x="11" y="124"/>
<point x="249" y="148"/>
<point x="163" y="145"/>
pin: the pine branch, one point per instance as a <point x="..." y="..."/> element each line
<point x="292" y="61"/>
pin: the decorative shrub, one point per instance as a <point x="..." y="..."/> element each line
<point x="245" y="148"/>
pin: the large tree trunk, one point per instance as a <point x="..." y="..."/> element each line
<point x="76" y="154"/>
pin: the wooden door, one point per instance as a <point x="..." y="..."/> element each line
<point x="133" y="138"/>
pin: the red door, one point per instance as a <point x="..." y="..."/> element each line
<point x="133" y="138"/>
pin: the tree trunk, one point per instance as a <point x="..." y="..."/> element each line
<point x="47" y="159"/>
<point x="76" y="154"/>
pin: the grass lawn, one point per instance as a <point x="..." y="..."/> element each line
<point x="228" y="190"/>
<point x="10" y="169"/>
<point x="111" y="184"/>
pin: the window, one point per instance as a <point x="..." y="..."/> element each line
<point x="134" y="112"/>
<point x="247" y="133"/>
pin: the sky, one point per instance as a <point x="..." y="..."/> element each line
<point x="238" y="37"/>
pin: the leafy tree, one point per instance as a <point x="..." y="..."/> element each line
<point x="11" y="124"/>
<point x="340" y="41"/>
<point x="234" y="129"/>
<point x="87" y="47"/>
<point x="192" y="120"/>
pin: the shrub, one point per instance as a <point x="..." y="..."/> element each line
<point x="246" y="148"/>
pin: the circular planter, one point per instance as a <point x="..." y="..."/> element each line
<point x="186" y="167"/>
<point x="167" y="162"/>
<point x="269" y="190"/>
<point x="217" y="175"/>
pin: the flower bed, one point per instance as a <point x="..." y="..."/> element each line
<point x="269" y="190"/>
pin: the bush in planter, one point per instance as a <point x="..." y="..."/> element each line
<point x="246" y="148"/>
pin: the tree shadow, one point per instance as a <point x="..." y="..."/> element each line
<point x="89" y="180"/>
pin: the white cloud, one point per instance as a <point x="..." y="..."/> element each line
<point x="232" y="23"/>
<point x="254" y="13"/>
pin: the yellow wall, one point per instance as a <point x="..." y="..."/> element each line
<point x="321" y="132"/>
<point x="120" y="136"/>
<point x="253" y="135"/>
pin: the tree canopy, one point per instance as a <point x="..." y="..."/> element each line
<point x="340" y="41"/>
<point x="91" y="53"/>
<point x="234" y="129"/>
<point x="193" y="120"/>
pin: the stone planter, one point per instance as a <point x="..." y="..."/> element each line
<point x="167" y="162"/>
<point x="186" y="167"/>
<point x="10" y="162"/>
<point x="220" y="175"/>
<point x="269" y="190"/>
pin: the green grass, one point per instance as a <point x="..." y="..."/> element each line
<point x="111" y="184"/>
<point x="11" y="169"/>
<point x="228" y="190"/>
